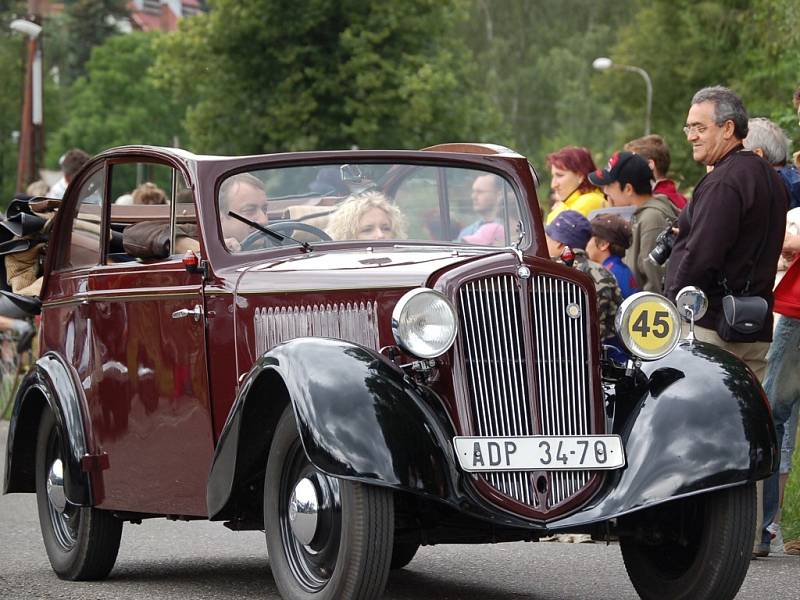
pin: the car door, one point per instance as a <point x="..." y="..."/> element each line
<point x="149" y="399"/>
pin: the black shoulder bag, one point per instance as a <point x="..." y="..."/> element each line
<point x="744" y="314"/>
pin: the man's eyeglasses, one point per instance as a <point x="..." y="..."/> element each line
<point x="695" y="128"/>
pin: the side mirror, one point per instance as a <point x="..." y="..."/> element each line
<point x="692" y="304"/>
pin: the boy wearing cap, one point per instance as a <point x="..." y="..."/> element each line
<point x="611" y="237"/>
<point x="570" y="228"/>
<point x="626" y="182"/>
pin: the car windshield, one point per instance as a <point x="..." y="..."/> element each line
<point x="368" y="202"/>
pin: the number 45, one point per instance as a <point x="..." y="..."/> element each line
<point x="659" y="327"/>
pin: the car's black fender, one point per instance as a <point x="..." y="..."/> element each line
<point x="359" y="417"/>
<point x="700" y="422"/>
<point x="52" y="383"/>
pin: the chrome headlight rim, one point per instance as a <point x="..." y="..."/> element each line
<point x="398" y="319"/>
<point x="622" y="325"/>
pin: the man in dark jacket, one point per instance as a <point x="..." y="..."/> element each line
<point x="730" y="235"/>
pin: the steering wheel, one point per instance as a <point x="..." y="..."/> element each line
<point x="289" y="227"/>
<point x="258" y="239"/>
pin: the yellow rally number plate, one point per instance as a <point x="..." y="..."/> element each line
<point x="651" y="326"/>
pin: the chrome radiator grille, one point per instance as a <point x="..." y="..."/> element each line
<point x="562" y="365"/>
<point x="496" y="355"/>
<point x="493" y="345"/>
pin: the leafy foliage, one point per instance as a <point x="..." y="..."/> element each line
<point x="275" y="75"/>
<point x="117" y="102"/>
<point x="281" y="75"/>
<point x="87" y="24"/>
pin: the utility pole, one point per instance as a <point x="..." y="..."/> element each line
<point x="31" y="139"/>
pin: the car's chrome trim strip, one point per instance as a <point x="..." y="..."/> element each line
<point x="322" y="287"/>
<point x="105" y="297"/>
<point x="353" y="322"/>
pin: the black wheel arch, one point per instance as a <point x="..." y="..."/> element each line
<point x="701" y="423"/>
<point x="50" y="385"/>
<point x="358" y="415"/>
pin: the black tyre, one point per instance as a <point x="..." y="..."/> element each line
<point x="81" y="542"/>
<point x="697" y="549"/>
<point x="402" y="554"/>
<point x="327" y="538"/>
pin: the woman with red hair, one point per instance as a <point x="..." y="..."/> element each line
<point x="569" y="168"/>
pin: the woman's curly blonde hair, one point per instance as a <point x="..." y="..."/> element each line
<point x="344" y="223"/>
<point x="149" y="193"/>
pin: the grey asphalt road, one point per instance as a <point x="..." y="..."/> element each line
<point x="181" y="561"/>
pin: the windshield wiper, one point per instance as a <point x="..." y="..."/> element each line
<point x="280" y="237"/>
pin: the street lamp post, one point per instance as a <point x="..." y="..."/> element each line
<point x="30" y="140"/>
<point x="603" y="64"/>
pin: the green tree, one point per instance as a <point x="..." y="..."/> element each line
<point x="117" y="101"/>
<point x="263" y="76"/>
<point x="770" y="67"/>
<point x="684" y="45"/>
<point x="536" y="56"/>
<point x="86" y="24"/>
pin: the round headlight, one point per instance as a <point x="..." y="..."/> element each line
<point x="649" y="325"/>
<point x="424" y="323"/>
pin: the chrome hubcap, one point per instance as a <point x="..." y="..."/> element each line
<point x="304" y="511"/>
<point x="55" y="486"/>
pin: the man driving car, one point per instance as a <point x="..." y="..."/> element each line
<point x="243" y="194"/>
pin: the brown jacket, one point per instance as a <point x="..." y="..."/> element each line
<point x="150" y="239"/>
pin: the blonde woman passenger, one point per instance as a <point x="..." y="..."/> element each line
<point x="368" y="216"/>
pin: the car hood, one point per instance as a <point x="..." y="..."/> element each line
<point x="352" y="269"/>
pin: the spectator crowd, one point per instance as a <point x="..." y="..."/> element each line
<point x="629" y="228"/>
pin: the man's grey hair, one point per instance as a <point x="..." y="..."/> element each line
<point x="727" y="107"/>
<point x="766" y="135"/>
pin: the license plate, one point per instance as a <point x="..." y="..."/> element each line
<point x="534" y="453"/>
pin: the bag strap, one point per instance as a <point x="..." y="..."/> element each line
<point x="754" y="263"/>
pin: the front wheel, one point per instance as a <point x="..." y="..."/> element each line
<point x="81" y="542"/>
<point x="698" y="548"/>
<point x="327" y="538"/>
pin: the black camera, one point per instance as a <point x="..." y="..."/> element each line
<point x="663" y="248"/>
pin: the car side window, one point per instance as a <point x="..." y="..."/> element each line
<point x="83" y="248"/>
<point x="143" y="194"/>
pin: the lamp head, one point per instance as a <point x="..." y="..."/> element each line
<point x="29" y="28"/>
<point x="602" y="63"/>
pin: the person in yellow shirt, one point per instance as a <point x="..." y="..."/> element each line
<point x="569" y="170"/>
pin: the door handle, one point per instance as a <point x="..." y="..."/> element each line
<point x="195" y="313"/>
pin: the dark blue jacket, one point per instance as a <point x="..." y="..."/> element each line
<point x="791" y="177"/>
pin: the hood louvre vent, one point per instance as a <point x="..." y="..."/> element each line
<point x="353" y="322"/>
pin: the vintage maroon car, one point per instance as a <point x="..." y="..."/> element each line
<point x="361" y="353"/>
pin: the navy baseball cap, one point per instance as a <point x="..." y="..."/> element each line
<point x="570" y="228"/>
